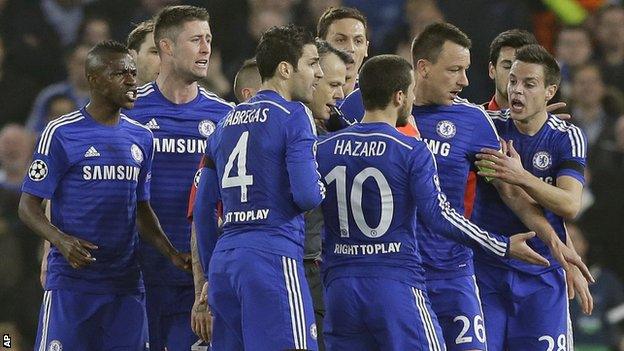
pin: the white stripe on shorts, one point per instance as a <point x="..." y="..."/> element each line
<point x="430" y="332"/>
<point x="47" y="299"/>
<point x="295" y="302"/>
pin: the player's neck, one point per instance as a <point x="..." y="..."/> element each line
<point x="103" y="113"/>
<point x="501" y="100"/>
<point x="386" y="115"/>
<point x="532" y="124"/>
<point x="420" y="95"/>
<point x="278" y="86"/>
<point x="176" y="88"/>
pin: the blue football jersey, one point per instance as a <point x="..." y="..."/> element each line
<point x="454" y="134"/>
<point x="180" y="132"/>
<point x="94" y="175"/>
<point x="380" y="183"/>
<point x="264" y="156"/>
<point x="558" y="149"/>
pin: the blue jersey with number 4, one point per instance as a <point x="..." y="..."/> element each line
<point x="264" y="156"/>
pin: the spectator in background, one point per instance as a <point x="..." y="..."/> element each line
<point x="19" y="284"/>
<point x="610" y="36"/>
<point x="143" y="49"/>
<point x="603" y="222"/>
<point x="94" y="30"/>
<point x="593" y="109"/>
<point x="75" y="88"/>
<point x="598" y="331"/>
<point x="573" y="48"/>
<point x="65" y="16"/>
<point x="418" y="14"/>
<point x="59" y="105"/>
<point x="16" y="92"/>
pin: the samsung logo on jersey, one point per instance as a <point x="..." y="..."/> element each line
<point x="247" y="116"/>
<point x="437" y="147"/>
<point x="359" y="148"/>
<point x="111" y="173"/>
<point x="179" y="146"/>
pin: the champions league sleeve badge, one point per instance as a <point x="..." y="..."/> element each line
<point x="38" y="171"/>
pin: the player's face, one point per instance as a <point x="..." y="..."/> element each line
<point x="406" y="108"/>
<point x="191" y="50"/>
<point x="500" y="72"/>
<point x="446" y="77"/>
<point x="147" y="60"/>
<point x="349" y="34"/>
<point x="304" y="80"/>
<point x="329" y="88"/>
<point x="528" y="92"/>
<point x="117" y="81"/>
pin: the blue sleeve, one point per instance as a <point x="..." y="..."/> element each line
<point x="352" y="107"/>
<point x="48" y="167"/>
<point x="145" y="176"/>
<point x="205" y="213"/>
<point x="484" y="134"/>
<point x="572" y="154"/>
<point x="305" y="182"/>
<point x="438" y="215"/>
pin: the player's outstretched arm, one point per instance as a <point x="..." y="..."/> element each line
<point x="577" y="282"/>
<point x="75" y="250"/>
<point x="151" y="231"/>
<point x="438" y="215"/>
<point x="532" y="215"/>
<point x="563" y="199"/>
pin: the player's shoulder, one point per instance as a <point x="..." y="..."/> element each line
<point x="380" y="132"/>
<point x="135" y="126"/>
<point x="146" y="91"/>
<point x="467" y="107"/>
<point x="567" y="134"/>
<point x="276" y="104"/>
<point x="213" y="101"/>
<point x="56" y="128"/>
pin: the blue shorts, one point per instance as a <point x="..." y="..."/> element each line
<point x="169" y="317"/>
<point x="456" y="303"/>
<point x="379" y="314"/>
<point x="71" y="320"/>
<point x="524" y="311"/>
<point x="259" y="301"/>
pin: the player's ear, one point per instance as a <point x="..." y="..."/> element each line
<point x="422" y="68"/>
<point x="284" y="69"/>
<point x="551" y="90"/>
<point x="165" y="46"/>
<point x="491" y="70"/>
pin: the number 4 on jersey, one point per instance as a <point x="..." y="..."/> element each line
<point x="242" y="179"/>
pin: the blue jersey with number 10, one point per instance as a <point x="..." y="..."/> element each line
<point x="380" y="183"/>
<point x="263" y="153"/>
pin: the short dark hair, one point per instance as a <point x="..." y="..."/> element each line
<point x="138" y="34"/>
<point x="101" y="49"/>
<point x="513" y="38"/>
<point x="428" y="44"/>
<point x="382" y="76"/>
<point x="277" y="44"/>
<point x="325" y="48"/>
<point x="539" y="55"/>
<point x="168" y="21"/>
<point x="244" y="75"/>
<point x="333" y="14"/>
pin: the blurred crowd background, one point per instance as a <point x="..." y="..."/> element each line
<point x="43" y="44"/>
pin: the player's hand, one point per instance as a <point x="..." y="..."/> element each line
<point x="577" y="282"/>
<point x="75" y="250"/>
<point x="201" y="319"/>
<point x="182" y="260"/>
<point x="519" y="249"/>
<point x="506" y="166"/>
<point x="568" y="258"/>
<point x="557" y="105"/>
